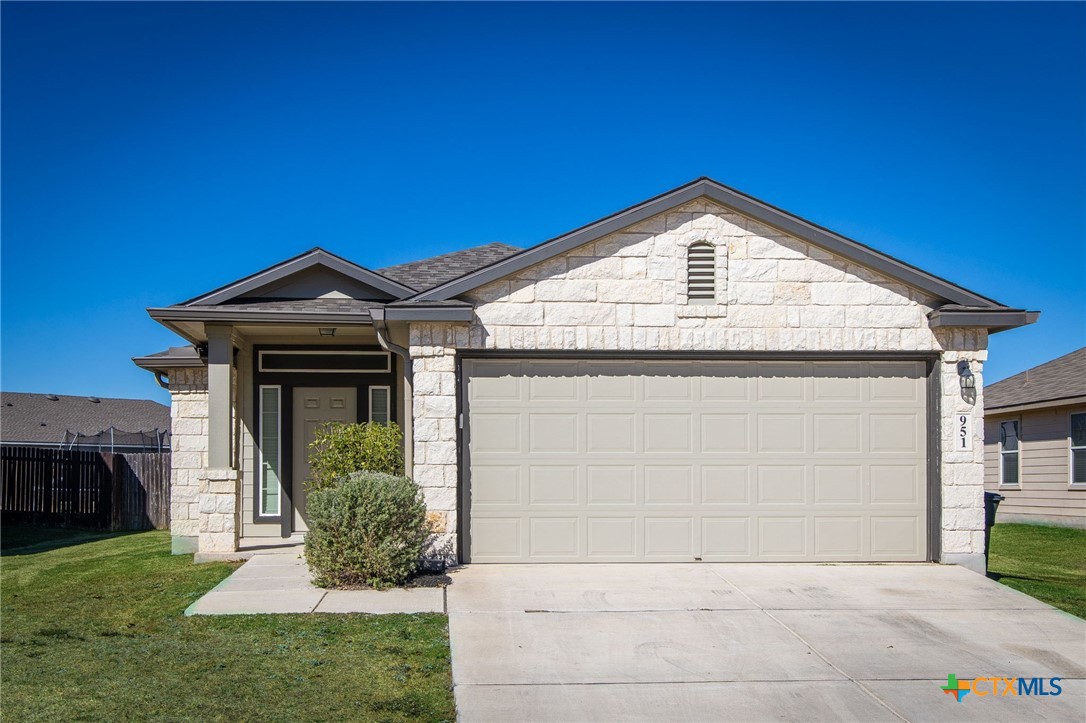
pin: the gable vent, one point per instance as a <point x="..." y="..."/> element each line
<point x="701" y="273"/>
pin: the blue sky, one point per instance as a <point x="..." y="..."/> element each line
<point x="155" y="151"/>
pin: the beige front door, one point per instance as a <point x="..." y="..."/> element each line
<point x="608" y="461"/>
<point x="313" y="406"/>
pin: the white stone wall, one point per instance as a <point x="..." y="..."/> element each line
<point x="188" y="409"/>
<point x="435" y="431"/>
<point x="627" y="292"/>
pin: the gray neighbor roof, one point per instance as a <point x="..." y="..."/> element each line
<point x="45" y="418"/>
<point x="1059" y="379"/>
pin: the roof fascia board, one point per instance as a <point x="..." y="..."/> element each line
<point x="432" y="313"/>
<point x="730" y="198"/>
<point x="1030" y="406"/>
<point x="995" y="320"/>
<point x="301" y="263"/>
<point x="175" y="313"/>
<point x="165" y="362"/>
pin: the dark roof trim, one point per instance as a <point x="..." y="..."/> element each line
<point x="995" y="320"/>
<point x="313" y="257"/>
<point x="424" y="313"/>
<point x="1039" y="404"/>
<point x="730" y="198"/>
<point x="172" y="358"/>
<point x="254" y="316"/>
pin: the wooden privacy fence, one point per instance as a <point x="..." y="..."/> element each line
<point x="86" y="489"/>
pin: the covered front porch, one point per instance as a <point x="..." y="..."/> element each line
<point x="247" y="400"/>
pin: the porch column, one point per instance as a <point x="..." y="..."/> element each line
<point x="219" y="486"/>
<point x="220" y="357"/>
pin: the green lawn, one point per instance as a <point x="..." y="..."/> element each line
<point x="92" y="629"/>
<point x="1048" y="563"/>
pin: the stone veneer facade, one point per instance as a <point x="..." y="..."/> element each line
<point x="626" y="292"/>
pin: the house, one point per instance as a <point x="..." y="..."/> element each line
<point x="1035" y="443"/>
<point x="701" y="376"/>
<point x="94" y="423"/>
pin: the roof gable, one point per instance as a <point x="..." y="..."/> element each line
<point x="733" y="200"/>
<point x="314" y="274"/>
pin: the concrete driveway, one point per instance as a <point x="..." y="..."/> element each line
<point x="700" y="642"/>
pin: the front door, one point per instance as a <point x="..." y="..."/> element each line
<point x="314" y="406"/>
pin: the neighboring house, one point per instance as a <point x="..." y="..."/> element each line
<point x="1035" y="443"/>
<point x="68" y="422"/>
<point x="698" y="377"/>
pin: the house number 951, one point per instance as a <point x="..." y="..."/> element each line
<point x="963" y="430"/>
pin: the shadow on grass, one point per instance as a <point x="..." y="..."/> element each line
<point x="28" y="540"/>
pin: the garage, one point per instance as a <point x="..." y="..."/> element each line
<point x="624" y="460"/>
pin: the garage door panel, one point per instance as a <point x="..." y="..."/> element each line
<point x="554" y="537"/>
<point x="838" y="485"/>
<point x="553" y="485"/>
<point x="669" y="537"/>
<point x="725" y="537"/>
<point x="838" y="433"/>
<point x="782" y="433"/>
<point x="725" y="433"/>
<point x="611" y="432"/>
<point x="669" y="433"/>
<point x="619" y="461"/>
<point x="612" y="537"/>
<point x="838" y="537"/>
<point x="895" y="433"/>
<point x="723" y="484"/>
<point x="611" y="485"/>
<point x="669" y="485"/>
<point x="551" y="433"/>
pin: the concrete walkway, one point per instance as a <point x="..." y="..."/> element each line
<point x="700" y="642"/>
<point x="279" y="582"/>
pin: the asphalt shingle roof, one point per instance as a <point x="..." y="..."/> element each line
<point x="38" y="418"/>
<point x="434" y="271"/>
<point x="331" y="305"/>
<point x="1058" y="379"/>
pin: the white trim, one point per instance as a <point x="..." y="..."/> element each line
<point x="388" y="402"/>
<point x="261" y="512"/>
<point x="1071" y="448"/>
<point x="1017" y="452"/>
<point x="311" y="352"/>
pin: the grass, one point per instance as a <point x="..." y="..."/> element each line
<point x="1048" y="563"/>
<point x="93" y="629"/>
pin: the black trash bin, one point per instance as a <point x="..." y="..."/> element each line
<point x="991" y="504"/>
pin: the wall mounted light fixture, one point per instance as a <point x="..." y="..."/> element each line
<point x="965" y="376"/>
<point x="327" y="330"/>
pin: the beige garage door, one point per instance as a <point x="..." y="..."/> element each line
<point x="679" y="461"/>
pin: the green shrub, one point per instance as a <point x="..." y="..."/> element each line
<point x="370" y="528"/>
<point x="339" y="449"/>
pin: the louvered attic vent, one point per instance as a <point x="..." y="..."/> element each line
<point x="701" y="274"/>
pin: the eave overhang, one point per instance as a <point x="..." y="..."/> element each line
<point x="423" y="312"/>
<point x="257" y="316"/>
<point x="992" y="319"/>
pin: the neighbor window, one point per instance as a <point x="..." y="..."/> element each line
<point x="270" y="457"/>
<point x="1008" y="453"/>
<point x="701" y="273"/>
<point x="379" y="403"/>
<point x="1078" y="449"/>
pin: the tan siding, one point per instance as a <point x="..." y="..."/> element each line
<point x="1044" y="494"/>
